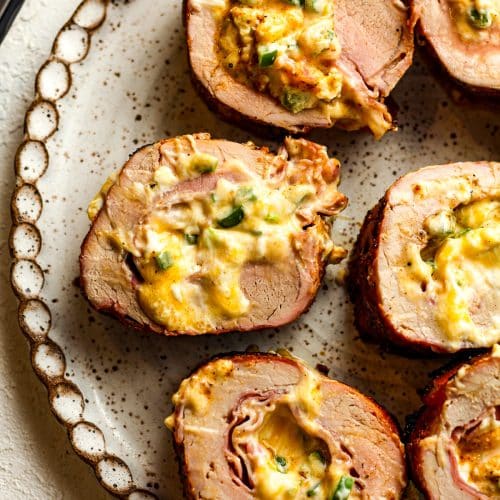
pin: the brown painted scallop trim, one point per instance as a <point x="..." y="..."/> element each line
<point x="27" y="277"/>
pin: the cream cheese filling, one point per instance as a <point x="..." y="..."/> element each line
<point x="459" y="271"/>
<point x="478" y="455"/>
<point x="477" y="21"/>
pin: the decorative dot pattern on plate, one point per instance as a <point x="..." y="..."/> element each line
<point x="35" y="320"/>
<point x="88" y="441"/>
<point x="91" y="14"/>
<point x="53" y="80"/>
<point x="25" y="241"/>
<point x="67" y="402"/>
<point x="115" y="475"/>
<point x="48" y="361"/>
<point x="72" y="44"/>
<point x="53" y="83"/>
<point x="41" y="121"/>
<point x="32" y="160"/>
<point x="27" y="278"/>
<point x="26" y="204"/>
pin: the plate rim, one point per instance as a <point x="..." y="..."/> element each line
<point x="34" y="315"/>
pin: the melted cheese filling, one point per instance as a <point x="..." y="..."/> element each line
<point x="192" y="252"/>
<point x="195" y="392"/>
<point x="290" y="51"/>
<point x="462" y="272"/>
<point x="285" y="461"/>
<point x="206" y="276"/>
<point x="478" y="454"/>
<point x="285" y="458"/>
<point x="477" y="20"/>
<point x="98" y="201"/>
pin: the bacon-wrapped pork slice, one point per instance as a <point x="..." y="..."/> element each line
<point x="454" y="449"/>
<point x="268" y="427"/>
<point x="204" y="236"/>
<point x="425" y="271"/>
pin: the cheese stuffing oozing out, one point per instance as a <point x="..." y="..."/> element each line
<point x="477" y="20"/>
<point x="459" y="269"/>
<point x="290" y="50"/>
<point x="478" y="455"/>
<point x="283" y="453"/>
<point x="192" y="251"/>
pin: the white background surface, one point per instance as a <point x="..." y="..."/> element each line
<point x="36" y="459"/>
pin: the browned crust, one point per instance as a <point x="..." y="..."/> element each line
<point x="369" y="316"/>
<point x="479" y="95"/>
<point x="378" y="410"/>
<point x="115" y="312"/>
<point x="460" y="92"/>
<point x="177" y="439"/>
<point x="427" y="416"/>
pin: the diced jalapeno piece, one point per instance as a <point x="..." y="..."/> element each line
<point x="460" y="233"/>
<point x="344" y="488"/>
<point x="163" y="260"/>
<point x="233" y="219"/>
<point x="192" y="239"/>
<point x="297" y="3"/>
<point x="314" y="5"/>
<point x="267" y="55"/>
<point x="246" y="193"/>
<point x="294" y="100"/>
<point x="312" y="492"/>
<point x="204" y="163"/>
<point x="273" y="218"/>
<point x="317" y="455"/>
<point x="480" y="18"/>
<point x="281" y="464"/>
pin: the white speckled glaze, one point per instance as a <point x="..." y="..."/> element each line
<point x="109" y="87"/>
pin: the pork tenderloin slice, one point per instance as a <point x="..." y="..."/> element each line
<point x="278" y="294"/>
<point x="457" y="403"/>
<point x="474" y="63"/>
<point x="377" y="49"/>
<point x="384" y="307"/>
<point x="353" y="427"/>
<point x="377" y="39"/>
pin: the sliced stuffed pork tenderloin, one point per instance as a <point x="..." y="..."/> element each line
<point x="298" y="65"/>
<point x="197" y="235"/>
<point x="454" y="448"/>
<point x="269" y="427"/>
<point x="425" y="270"/>
<point x="464" y="35"/>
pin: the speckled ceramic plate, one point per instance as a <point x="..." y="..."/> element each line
<point x="117" y="78"/>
